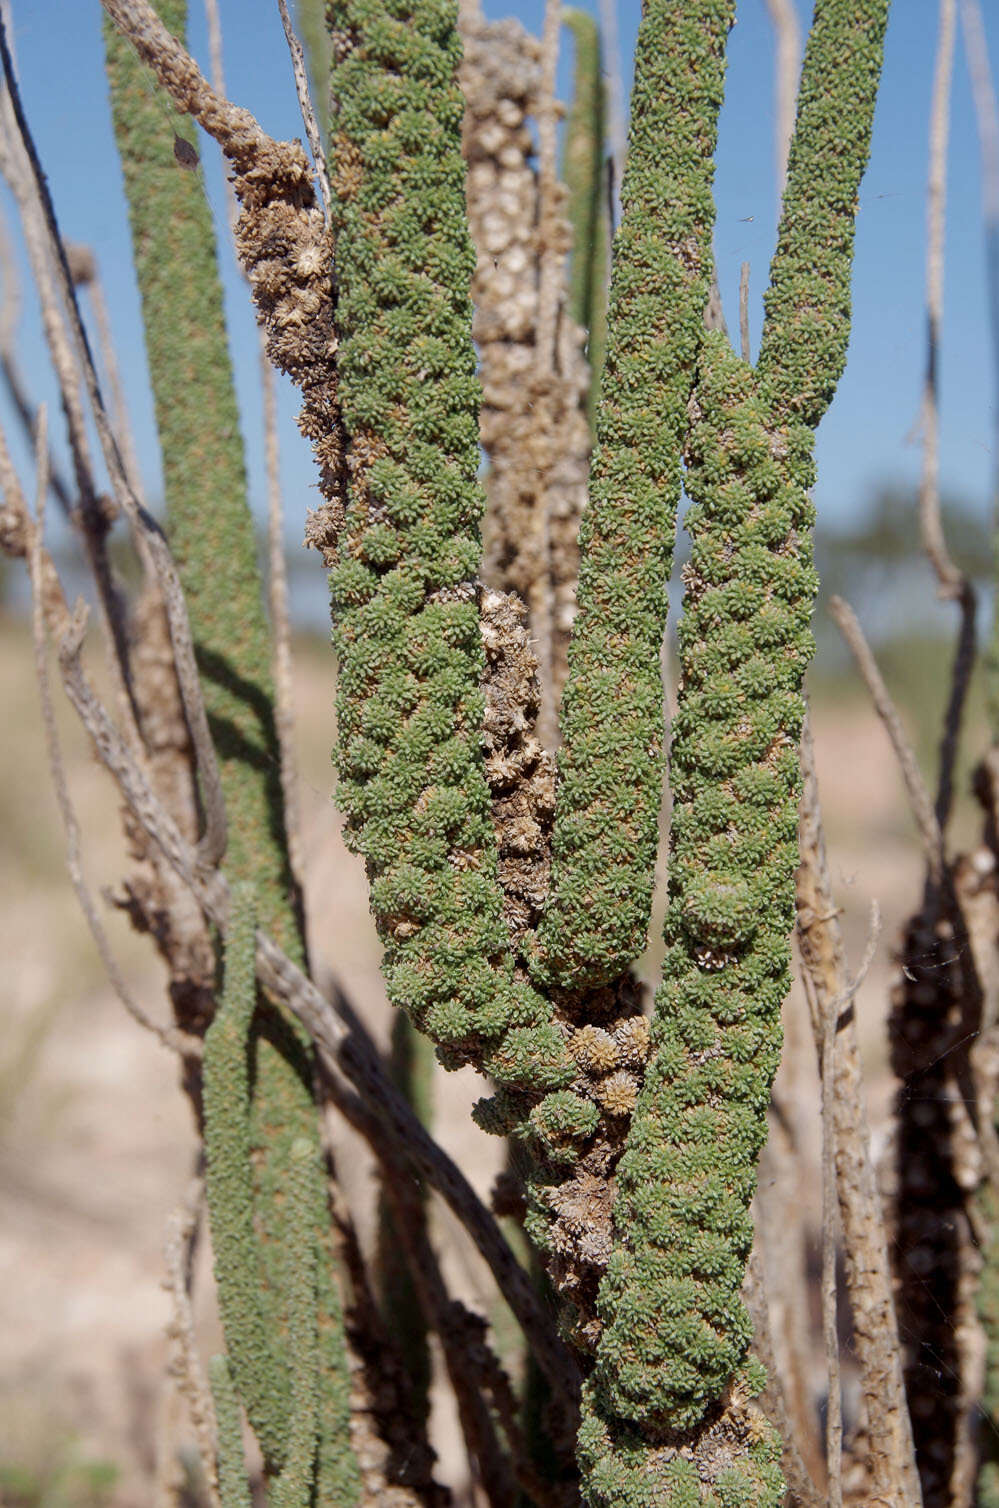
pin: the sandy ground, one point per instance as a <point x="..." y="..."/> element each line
<point x="96" y="1142"/>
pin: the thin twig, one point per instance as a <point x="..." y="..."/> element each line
<point x="109" y="357"/>
<point x="744" y="311"/>
<point x="983" y="92"/>
<point x="951" y="582"/>
<point x="10" y="312"/>
<point x="213" y="841"/>
<point x="615" y="95"/>
<point x="57" y="767"/>
<point x="889" y="1460"/>
<point x="784" y="17"/>
<point x="307" y="108"/>
<point x="948" y="576"/>
<point x="91" y="516"/>
<point x="919" y="799"/>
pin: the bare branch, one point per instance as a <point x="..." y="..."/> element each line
<point x="919" y="799"/>
<point x="213" y="842"/>
<point x="86" y="273"/>
<point x="744" y="311"/>
<point x="949" y="578"/>
<point x="889" y="1458"/>
<point x="170" y="1038"/>
<point x="787" y="31"/>
<point x="305" y="104"/>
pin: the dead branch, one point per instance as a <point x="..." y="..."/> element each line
<point x="87" y="274"/>
<point x="887" y="1434"/>
<point x="949" y="578"/>
<point x="787" y="32"/>
<point x="919" y="799"/>
<point x="306" y="106"/>
<point x="213" y="841"/>
<point x="744" y="311"/>
<point x="74" y="862"/>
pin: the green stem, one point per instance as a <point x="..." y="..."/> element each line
<point x="612" y="762"/>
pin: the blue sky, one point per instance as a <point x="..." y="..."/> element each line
<point x="867" y="436"/>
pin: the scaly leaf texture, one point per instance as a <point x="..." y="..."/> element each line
<point x="612" y="761"/>
<point x="253" y="1347"/>
<point x="293" y="1488"/>
<point x="211" y="532"/>
<point x="404" y="588"/>
<point x="584" y="174"/>
<point x="675" y="1328"/>
<point x="234" y="1484"/>
<point x="806" y="328"/>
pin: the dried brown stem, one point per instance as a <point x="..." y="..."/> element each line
<point x="744" y="311"/>
<point x="919" y="798"/>
<point x="829" y="1017"/>
<point x="534" y="428"/>
<point x="109" y="359"/>
<point x="40" y="590"/>
<point x="10" y="309"/>
<point x="787" y="31"/>
<point x="91" y="513"/>
<point x="306" y="106"/>
<point x="949" y="578"/>
<point x="213" y="841"/>
<point x="889" y="1463"/>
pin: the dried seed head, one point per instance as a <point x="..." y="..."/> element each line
<point x="594" y="1049"/>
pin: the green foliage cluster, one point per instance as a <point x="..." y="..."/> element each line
<point x="612" y="761"/>
<point x="675" y="1326"/>
<point x="621" y="1469"/>
<point x="406" y="627"/>
<point x="211" y="533"/>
